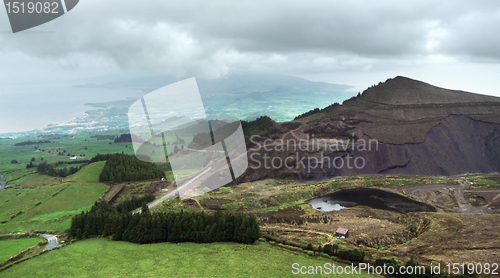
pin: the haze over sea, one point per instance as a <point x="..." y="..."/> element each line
<point x="25" y="107"/>
<point x="28" y="107"/>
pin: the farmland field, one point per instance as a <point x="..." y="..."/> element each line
<point x="105" y="258"/>
<point x="38" y="202"/>
<point x="11" y="247"/>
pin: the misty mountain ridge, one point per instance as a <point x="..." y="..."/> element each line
<point x="405" y="91"/>
<point x="235" y="84"/>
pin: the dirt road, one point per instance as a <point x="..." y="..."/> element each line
<point x="463" y="204"/>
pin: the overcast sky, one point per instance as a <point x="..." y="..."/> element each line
<point x="453" y="44"/>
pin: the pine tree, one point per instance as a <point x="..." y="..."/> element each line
<point x="79" y="233"/>
<point x="145" y="209"/>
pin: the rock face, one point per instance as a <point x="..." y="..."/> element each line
<point x="412" y="128"/>
<point x="458" y="144"/>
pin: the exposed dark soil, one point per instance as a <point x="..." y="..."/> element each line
<point x="189" y="203"/>
<point x="154" y="187"/>
<point x="378" y="199"/>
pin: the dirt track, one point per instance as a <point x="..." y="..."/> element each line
<point x="463" y="204"/>
<point x="113" y="191"/>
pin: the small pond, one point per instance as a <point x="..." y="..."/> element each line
<point x="370" y="197"/>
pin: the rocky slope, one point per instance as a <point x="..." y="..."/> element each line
<point x="412" y="128"/>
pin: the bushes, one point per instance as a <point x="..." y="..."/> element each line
<point x="352" y="255"/>
<point x="330" y="251"/>
<point x="26" y="143"/>
<point x="309" y="247"/>
<point x="329" y="108"/>
<point x="258" y="126"/>
<point x="123" y="138"/>
<point x="50" y="170"/>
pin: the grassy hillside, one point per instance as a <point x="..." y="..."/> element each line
<point x="20" y="199"/>
<point x="37" y="202"/>
<point x="104" y="258"/>
<point x="11" y="247"/>
<point x="55" y="148"/>
<point x="55" y="213"/>
<point x="89" y="173"/>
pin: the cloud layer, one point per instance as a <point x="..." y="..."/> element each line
<point x="216" y="38"/>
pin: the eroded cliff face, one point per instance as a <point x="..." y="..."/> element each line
<point x="366" y="138"/>
<point x="458" y="144"/>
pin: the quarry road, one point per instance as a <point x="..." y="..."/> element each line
<point x="52" y="241"/>
<point x="465" y="207"/>
<point x="292" y="132"/>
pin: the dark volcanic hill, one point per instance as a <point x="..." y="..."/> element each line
<point x="412" y="127"/>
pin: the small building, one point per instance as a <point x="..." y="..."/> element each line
<point x="342" y="232"/>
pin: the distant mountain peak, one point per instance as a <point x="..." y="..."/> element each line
<point x="402" y="90"/>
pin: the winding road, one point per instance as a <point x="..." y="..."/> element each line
<point x="52" y="241"/>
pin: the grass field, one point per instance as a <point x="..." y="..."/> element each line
<point x="89" y="173"/>
<point x="37" y="202"/>
<point x="104" y="258"/>
<point x="14" y="201"/>
<point x="11" y="247"/>
<point x="85" y="144"/>
<point x="54" y="214"/>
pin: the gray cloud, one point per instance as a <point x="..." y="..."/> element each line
<point x="214" y="38"/>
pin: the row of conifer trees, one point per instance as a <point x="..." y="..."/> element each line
<point x="122" y="167"/>
<point x="147" y="227"/>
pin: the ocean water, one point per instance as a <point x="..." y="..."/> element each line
<point x="29" y="107"/>
<point x="25" y="107"/>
